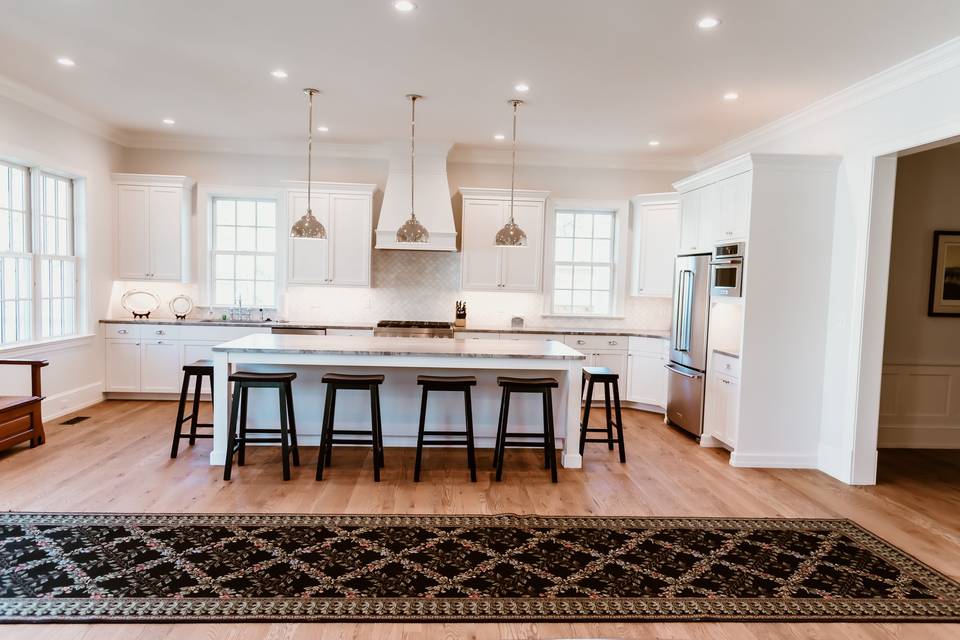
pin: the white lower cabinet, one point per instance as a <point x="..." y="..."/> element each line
<point x="648" y="379"/>
<point x="722" y="403"/>
<point x="159" y="366"/>
<point x="123" y="365"/>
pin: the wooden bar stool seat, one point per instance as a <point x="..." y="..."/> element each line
<point x="239" y="434"/>
<point x="197" y="370"/>
<point x="505" y="438"/>
<point x="328" y="434"/>
<point x="447" y="438"/>
<point x="609" y="380"/>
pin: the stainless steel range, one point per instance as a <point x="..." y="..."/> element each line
<point x="413" y="329"/>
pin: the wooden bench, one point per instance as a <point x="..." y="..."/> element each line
<point x="20" y="418"/>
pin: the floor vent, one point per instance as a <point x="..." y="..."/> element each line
<point x="75" y="420"/>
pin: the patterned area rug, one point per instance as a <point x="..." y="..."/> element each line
<point x="117" y="567"/>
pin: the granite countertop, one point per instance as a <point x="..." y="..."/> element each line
<point x="638" y="333"/>
<point x="382" y="346"/>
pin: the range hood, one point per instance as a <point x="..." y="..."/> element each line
<point x="433" y="207"/>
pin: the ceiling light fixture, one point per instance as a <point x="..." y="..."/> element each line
<point x="323" y="129"/>
<point x="654" y="143"/>
<point x="730" y="96"/>
<point x="498" y="136"/>
<point x="411" y="230"/>
<point x="169" y="122"/>
<point x="522" y="87"/>
<point x="404" y="6"/>
<point x="512" y="235"/>
<point x="308" y="226"/>
<point x="708" y="22"/>
<point x="66" y="62"/>
<point x="279" y="74"/>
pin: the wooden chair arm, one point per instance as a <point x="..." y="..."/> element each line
<point x="35" y="366"/>
<point x="39" y="363"/>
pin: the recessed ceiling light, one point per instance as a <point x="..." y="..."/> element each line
<point x="708" y="22"/>
<point x="654" y="143"/>
<point x="279" y="74"/>
<point x="323" y="129"/>
<point x="498" y="136"/>
<point x="522" y="87"/>
<point x="730" y="96"/>
<point x="404" y="5"/>
<point x="66" y="62"/>
<point x="169" y="121"/>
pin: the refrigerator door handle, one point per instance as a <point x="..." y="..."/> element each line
<point x="673" y="369"/>
<point x="685" y="299"/>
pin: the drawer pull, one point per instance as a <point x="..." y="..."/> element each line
<point x="581" y="342"/>
<point x="122" y="331"/>
<point x="612" y="342"/>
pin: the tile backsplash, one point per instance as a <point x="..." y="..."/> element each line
<point x="417" y="285"/>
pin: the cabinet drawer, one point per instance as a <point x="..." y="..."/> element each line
<point x="726" y="365"/>
<point x="606" y="343"/>
<point x="653" y="346"/>
<point x="159" y="332"/>
<point x="16" y="427"/>
<point x="220" y="334"/>
<point x="120" y="331"/>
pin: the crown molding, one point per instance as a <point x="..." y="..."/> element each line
<point x="471" y="154"/>
<point x="254" y="146"/>
<point x="49" y="106"/>
<point x="934" y="61"/>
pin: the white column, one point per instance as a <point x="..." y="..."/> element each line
<point x="221" y="407"/>
<point x="570" y="393"/>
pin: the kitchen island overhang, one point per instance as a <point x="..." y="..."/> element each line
<point x="401" y="360"/>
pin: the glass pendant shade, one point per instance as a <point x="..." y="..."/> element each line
<point x="412" y="230"/>
<point x="308" y="226"/>
<point x="511" y="235"/>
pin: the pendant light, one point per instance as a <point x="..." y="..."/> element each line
<point x="412" y="230"/>
<point x="308" y="226"/>
<point x="511" y="235"/>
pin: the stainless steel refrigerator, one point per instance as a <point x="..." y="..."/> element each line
<point x="688" y="342"/>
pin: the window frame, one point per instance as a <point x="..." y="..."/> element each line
<point x="619" y="262"/>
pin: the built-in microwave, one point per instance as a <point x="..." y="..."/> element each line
<point x="726" y="275"/>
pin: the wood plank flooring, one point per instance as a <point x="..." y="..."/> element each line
<point x="118" y="460"/>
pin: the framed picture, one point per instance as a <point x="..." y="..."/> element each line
<point x="945" y="275"/>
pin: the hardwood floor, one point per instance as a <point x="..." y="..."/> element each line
<point x="118" y="460"/>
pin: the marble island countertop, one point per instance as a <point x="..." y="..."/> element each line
<point x="384" y="346"/>
<point x="566" y="331"/>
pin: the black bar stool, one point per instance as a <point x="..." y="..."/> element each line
<point x="199" y="369"/>
<point x="446" y="383"/>
<point x="342" y="381"/>
<point x="527" y="385"/>
<point x="608" y="379"/>
<point x="285" y="436"/>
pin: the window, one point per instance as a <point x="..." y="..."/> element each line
<point x="244" y="258"/>
<point x="584" y="276"/>
<point x="38" y="264"/>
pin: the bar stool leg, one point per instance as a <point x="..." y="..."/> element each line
<point x="284" y="432"/>
<point x="294" y="447"/>
<point x="325" y="431"/>
<point x="551" y="437"/>
<point x="376" y="395"/>
<point x="232" y="434"/>
<point x="242" y="454"/>
<point x="468" y="411"/>
<point x="502" y="432"/>
<point x="375" y="428"/>
<point x="606" y="405"/>
<point x="586" y="417"/>
<point x="423" y="420"/>
<point x="195" y="417"/>
<point x="496" y="444"/>
<point x="180" y="410"/>
<point x="616" y="404"/>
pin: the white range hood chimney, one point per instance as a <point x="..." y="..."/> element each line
<point x="432" y="197"/>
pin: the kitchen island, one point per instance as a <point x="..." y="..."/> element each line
<point x="401" y="360"/>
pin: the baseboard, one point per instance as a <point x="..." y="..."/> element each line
<point x="66" y="402"/>
<point x="835" y="462"/>
<point x="919" y="437"/>
<point x="773" y="461"/>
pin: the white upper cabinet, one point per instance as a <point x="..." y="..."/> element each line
<point x="486" y="267"/>
<point x="343" y="259"/>
<point x="153" y="227"/>
<point x="690" y="221"/>
<point x="715" y="206"/>
<point x="734" y="209"/>
<point x="656" y="241"/>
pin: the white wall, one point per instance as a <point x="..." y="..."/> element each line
<point x="74" y="377"/>
<point x="920" y="393"/>
<point x="914" y="103"/>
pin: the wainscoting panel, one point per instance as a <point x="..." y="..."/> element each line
<point x="920" y="406"/>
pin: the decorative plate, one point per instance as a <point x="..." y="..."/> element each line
<point x="140" y="303"/>
<point x="180" y="306"/>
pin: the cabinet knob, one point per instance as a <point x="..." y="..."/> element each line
<point x="612" y="342"/>
<point x="122" y="331"/>
<point x="160" y="332"/>
<point x="581" y="342"/>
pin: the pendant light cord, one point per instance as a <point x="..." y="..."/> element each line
<point x="310" y="93"/>
<point x="513" y="162"/>
<point x="413" y="149"/>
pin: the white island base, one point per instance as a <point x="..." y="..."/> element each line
<point x="401" y="360"/>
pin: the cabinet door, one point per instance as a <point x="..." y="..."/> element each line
<point x="740" y="208"/>
<point x="659" y="241"/>
<point x="714" y="409"/>
<point x="159" y="366"/>
<point x="165" y="204"/>
<point x="309" y="258"/>
<point x="521" y="266"/>
<point x="648" y="379"/>
<point x="710" y="209"/>
<point x="123" y="365"/>
<point x="690" y="220"/>
<point x="616" y="362"/>
<point x="480" y="262"/>
<point x="133" y="256"/>
<point x="350" y="240"/>
<point x="731" y="391"/>
<point x="190" y="352"/>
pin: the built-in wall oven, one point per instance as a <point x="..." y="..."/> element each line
<point x="726" y="275"/>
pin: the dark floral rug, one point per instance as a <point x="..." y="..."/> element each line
<point x="63" y="567"/>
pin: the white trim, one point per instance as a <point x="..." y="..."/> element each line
<point x="485" y="193"/>
<point x="72" y="400"/>
<point x="772" y="461"/>
<point x="152" y="180"/>
<point x="34" y="347"/>
<point x="355" y="188"/>
<point x="666" y="197"/>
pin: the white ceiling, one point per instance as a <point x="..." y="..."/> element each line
<point x="607" y="76"/>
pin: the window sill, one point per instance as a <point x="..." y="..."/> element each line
<point x="581" y="315"/>
<point x="50" y="344"/>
